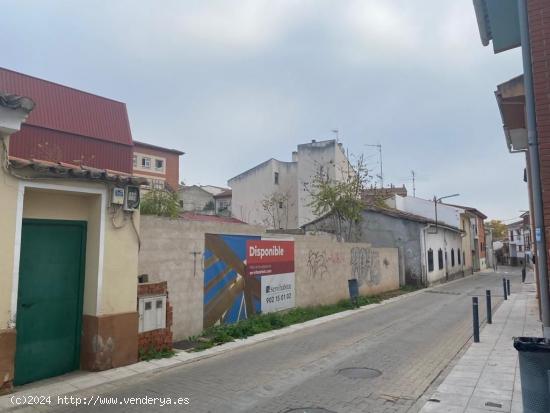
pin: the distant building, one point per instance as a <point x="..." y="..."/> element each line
<point x="519" y="241"/>
<point x="201" y="198"/>
<point x="429" y="252"/>
<point x="372" y="194"/>
<point x="467" y="219"/>
<point x="159" y="165"/>
<point x="223" y="203"/>
<point x="277" y="194"/>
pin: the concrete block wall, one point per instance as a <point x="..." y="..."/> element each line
<point x="323" y="266"/>
<point x="172" y="250"/>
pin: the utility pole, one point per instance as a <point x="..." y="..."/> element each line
<point x="414" y="186"/>
<point x="379" y="146"/>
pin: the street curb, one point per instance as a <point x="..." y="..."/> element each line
<point x="82" y="381"/>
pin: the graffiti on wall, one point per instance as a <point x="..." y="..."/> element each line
<point x="365" y="265"/>
<point x="317" y="264"/>
<point x="336" y="257"/>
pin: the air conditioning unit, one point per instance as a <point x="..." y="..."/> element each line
<point x="131" y="199"/>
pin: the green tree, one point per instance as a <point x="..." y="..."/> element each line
<point x="499" y="229"/>
<point x="160" y="202"/>
<point x="340" y="198"/>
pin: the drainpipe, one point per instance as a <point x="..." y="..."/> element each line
<point x="535" y="183"/>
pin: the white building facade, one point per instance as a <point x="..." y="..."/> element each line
<point x="277" y="194"/>
<point x="453" y="245"/>
<point x="519" y="243"/>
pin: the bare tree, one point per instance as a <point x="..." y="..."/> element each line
<point x="276" y="207"/>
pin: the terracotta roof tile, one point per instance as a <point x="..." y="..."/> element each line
<point x="67" y="170"/>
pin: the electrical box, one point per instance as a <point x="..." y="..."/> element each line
<point x="131" y="200"/>
<point x="117" y="196"/>
<point x="152" y="313"/>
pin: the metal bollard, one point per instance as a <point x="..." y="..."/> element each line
<point x="489" y="309"/>
<point x="476" y="319"/>
<point x="504" y="288"/>
<point x="508" y="286"/>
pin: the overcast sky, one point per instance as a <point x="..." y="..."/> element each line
<point x="233" y="83"/>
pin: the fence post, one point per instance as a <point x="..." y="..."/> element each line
<point x="489" y="309"/>
<point x="476" y="319"/>
<point x="504" y="288"/>
<point x="508" y="286"/>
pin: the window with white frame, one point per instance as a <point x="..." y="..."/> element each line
<point x="135" y="160"/>
<point x="146" y="162"/>
<point x="157" y="183"/>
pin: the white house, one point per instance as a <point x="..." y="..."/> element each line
<point x="519" y="242"/>
<point x="200" y="198"/>
<point x="470" y="240"/>
<point x="448" y="214"/>
<point x="277" y="194"/>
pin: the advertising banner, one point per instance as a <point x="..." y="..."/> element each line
<point x="246" y="275"/>
<point x="273" y="262"/>
<point x="229" y="295"/>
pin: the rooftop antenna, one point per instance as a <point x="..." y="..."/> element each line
<point x="414" y="185"/>
<point x="336" y="132"/>
<point x="381" y="176"/>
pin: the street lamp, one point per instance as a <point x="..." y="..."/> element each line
<point x="438" y="200"/>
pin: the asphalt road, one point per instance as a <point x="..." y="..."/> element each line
<point x="409" y="342"/>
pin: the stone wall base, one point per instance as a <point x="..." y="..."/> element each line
<point x="7" y="360"/>
<point x="109" y="341"/>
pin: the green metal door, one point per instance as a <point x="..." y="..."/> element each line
<point x="49" y="303"/>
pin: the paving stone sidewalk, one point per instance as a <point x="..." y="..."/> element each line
<point x="486" y="378"/>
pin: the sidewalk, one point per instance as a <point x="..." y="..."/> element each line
<point x="486" y="378"/>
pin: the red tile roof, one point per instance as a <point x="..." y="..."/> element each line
<point x="66" y="170"/>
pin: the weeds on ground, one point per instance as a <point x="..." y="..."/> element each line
<point x="262" y="323"/>
<point x="153" y="354"/>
